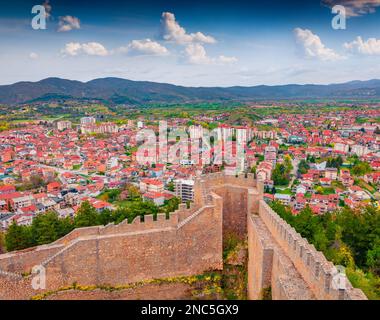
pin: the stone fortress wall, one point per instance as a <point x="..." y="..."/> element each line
<point x="190" y="242"/>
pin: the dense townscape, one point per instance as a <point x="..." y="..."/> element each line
<point x="323" y="160"/>
<point x="60" y="174"/>
<point x="190" y="150"/>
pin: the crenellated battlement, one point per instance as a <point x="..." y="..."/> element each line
<point x="152" y="247"/>
<point x="186" y="242"/>
<point x="321" y="275"/>
<point x="138" y="224"/>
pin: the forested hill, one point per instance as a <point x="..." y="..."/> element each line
<point x="116" y="90"/>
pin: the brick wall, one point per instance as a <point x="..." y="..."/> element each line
<point x="188" y="243"/>
<point x="295" y="259"/>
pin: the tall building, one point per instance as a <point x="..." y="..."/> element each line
<point x="62" y="125"/>
<point x="87" y="120"/>
<point x="106" y="127"/>
<point x="184" y="189"/>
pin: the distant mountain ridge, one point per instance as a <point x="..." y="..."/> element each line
<point x="117" y="90"/>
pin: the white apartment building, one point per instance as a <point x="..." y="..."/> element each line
<point x="184" y="189"/>
<point x="22" y="202"/>
<point x="62" y="125"/>
<point x="87" y="120"/>
<point x="359" y="150"/>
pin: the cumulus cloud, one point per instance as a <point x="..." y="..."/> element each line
<point x="90" y="48"/>
<point x="355" y="8"/>
<point x="172" y="31"/>
<point x="313" y="47"/>
<point x="145" y="47"/>
<point x="33" y="55"/>
<point x="368" y="47"/>
<point x="68" y="23"/>
<point x="196" y="54"/>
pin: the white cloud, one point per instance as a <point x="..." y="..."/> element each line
<point x="146" y="46"/>
<point x="313" y="47"/>
<point x="68" y="23"/>
<point x="94" y="49"/>
<point x="196" y="54"/>
<point x="72" y="49"/>
<point x="33" y="56"/>
<point x="355" y="8"/>
<point x="90" y="48"/>
<point x="369" y="47"/>
<point x="172" y="31"/>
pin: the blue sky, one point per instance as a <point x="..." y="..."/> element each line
<point x="192" y="43"/>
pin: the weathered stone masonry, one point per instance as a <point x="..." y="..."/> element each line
<point x="188" y="243"/>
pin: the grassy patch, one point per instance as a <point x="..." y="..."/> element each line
<point x="284" y="191"/>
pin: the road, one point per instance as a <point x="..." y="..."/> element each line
<point x="79" y="172"/>
<point x="295" y="163"/>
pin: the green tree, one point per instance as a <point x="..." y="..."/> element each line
<point x="86" y="216"/>
<point x="45" y="228"/>
<point x="66" y="225"/>
<point x="18" y="237"/>
<point x="280" y="175"/>
<point x="2" y="242"/>
<point x="133" y="192"/>
<point x="170" y="186"/>
<point x="105" y="217"/>
<point x="120" y="214"/>
<point x="288" y="163"/>
<point x="343" y="256"/>
<point x="361" y="168"/>
<point x="373" y="257"/>
<point x="171" y="205"/>
<point x="334" y="162"/>
<point x="347" y="237"/>
<point x="303" y="167"/>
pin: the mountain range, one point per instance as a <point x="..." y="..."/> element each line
<point x="122" y="91"/>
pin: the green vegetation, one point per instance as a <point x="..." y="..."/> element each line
<point x="230" y="243"/>
<point x="281" y="172"/>
<point x="77" y="166"/>
<point x="4" y="126"/>
<point x="334" y="162"/>
<point x="171" y="186"/>
<point x="284" y="191"/>
<point x="361" y="168"/>
<point x="45" y="228"/>
<point x="234" y="274"/>
<point x="2" y="242"/>
<point x="207" y="284"/>
<point x="34" y="182"/>
<point x="346" y="237"/>
<point x="303" y="167"/>
<point x="48" y="227"/>
<point x="324" y="190"/>
<point x="130" y="150"/>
